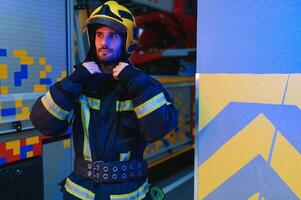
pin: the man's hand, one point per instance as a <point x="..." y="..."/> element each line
<point x="92" y="67"/>
<point x="118" y="69"/>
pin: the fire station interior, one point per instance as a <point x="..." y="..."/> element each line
<point x="232" y="68"/>
<point x="40" y="41"/>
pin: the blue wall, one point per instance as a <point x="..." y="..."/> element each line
<point x="248" y="100"/>
<point x="249" y="36"/>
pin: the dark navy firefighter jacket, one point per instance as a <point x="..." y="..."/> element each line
<point x="113" y="121"/>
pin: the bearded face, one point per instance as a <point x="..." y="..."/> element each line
<point x="108" y="43"/>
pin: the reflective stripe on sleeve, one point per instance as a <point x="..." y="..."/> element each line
<point x="90" y="101"/>
<point x="150" y="105"/>
<point x="126" y="105"/>
<point x="53" y="108"/>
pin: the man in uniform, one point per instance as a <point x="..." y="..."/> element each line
<point x="117" y="110"/>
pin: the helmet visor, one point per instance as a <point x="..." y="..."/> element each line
<point x="108" y="22"/>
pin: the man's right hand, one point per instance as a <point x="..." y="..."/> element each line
<point x="84" y="71"/>
<point x="92" y="67"/>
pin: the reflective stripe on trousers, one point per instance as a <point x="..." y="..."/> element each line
<point x="138" y="194"/>
<point x="78" y="191"/>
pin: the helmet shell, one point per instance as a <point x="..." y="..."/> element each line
<point x="117" y="17"/>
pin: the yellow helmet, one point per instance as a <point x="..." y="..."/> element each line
<point x="119" y="18"/>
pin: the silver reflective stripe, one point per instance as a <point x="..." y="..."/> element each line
<point x="94" y="103"/>
<point x="150" y="105"/>
<point x="138" y="194"/>
<point x="85" y="115"/>
<point x="78" y="191"/>
<point x="53" y="108"/>
<point x="126" y="105"/>
<point x="125" y="156"/>
<point x="90" y="101"/>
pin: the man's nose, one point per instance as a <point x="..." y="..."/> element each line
<point x="106" y="41"/>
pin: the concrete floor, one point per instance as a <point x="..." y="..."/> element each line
<point x="175" y="177"/>
<point x="184" y="191"/>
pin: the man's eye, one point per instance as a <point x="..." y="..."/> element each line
<point x="113" y="36"/>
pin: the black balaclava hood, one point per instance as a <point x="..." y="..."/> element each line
<point x="92" y="56"/>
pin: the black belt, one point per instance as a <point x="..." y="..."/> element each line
<point x="100" y="171"/>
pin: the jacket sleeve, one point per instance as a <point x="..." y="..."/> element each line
<point x="49" y="112"/>
<point x="153" y="106"/>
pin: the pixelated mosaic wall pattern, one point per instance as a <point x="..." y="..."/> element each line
<point x="33" y="53"/>
<point x="183" y="133"/>
<point x="15" y="150"/>
<point x="249" y="70"/>
<point x="32" y="76"/>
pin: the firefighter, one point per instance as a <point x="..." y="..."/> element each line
<point x="117" y="110"/>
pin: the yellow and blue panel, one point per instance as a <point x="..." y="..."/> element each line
<point x="249" y="101"/>
<point x="18" y="89"/>
<point x="33" y="54"/>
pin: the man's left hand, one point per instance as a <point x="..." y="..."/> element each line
<point x="118" y="69"/>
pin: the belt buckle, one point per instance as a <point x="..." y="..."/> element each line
<point x="97" y="165"/>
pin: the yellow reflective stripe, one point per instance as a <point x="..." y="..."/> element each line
<point x="94" y="103"/>
<point x="85" y="115"/>
<point x="78" y="191"/>
<point x="125" y="156"/>
<point x="90" y="101"/>
<point x="138" y="194"/>
<point x="126" y="105"/>
<point x="53" y="108"/>
<point x="150" y="105"/>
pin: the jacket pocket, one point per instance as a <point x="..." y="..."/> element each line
<point x="123" y="148"/>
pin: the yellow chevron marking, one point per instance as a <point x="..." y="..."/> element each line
<point x="286" y="161"/>
<point x="255" y="197"/>
<point x="293" y="96"/>
<point x="217" y="90"/>
<point x="254" y="139"/>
